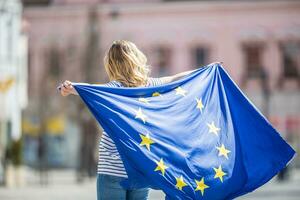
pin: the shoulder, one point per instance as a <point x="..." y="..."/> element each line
<point x="154" y="81"/>
<point x="150" y="82"/>
<point x="113" y="84"/>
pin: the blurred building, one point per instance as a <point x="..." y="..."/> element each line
<point x="258" y="41"/>
<point x="13" y="77"/>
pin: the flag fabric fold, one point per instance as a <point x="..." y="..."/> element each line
<point x="195" y="138"/>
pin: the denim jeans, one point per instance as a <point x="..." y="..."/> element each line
<point x="109" y="188"/>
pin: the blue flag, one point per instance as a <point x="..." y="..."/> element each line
<point x="195" y="138"/>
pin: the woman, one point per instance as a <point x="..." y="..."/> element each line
<point x="126" y="66"/>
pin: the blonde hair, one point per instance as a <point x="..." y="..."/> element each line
<point x="125" y="63"/>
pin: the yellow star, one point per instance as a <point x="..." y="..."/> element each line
<point x="219" y="173"/>
<point x="161" y="166"/>
<point x="201" y="186"/>
<point x="140" y="115"/>
<point x="180" y="91"/>
<point x="180" y="183"/>
<point x="156" y="94"/>
<point x="199" y="104"/>
<point x="144" y="100"/>
<point x="223" y="151"/>
<point x="146" y="140"/>
<point x="213" y="128"/>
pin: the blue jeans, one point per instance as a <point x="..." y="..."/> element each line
<point x="109" y="188"/>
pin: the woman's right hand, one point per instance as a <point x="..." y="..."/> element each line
<point x="66" y="88"/>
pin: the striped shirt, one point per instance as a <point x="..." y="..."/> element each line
<point x="110" y="162"/>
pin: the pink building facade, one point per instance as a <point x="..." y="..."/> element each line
<point x="220" y="28"/>
<point x="258" y="42"/>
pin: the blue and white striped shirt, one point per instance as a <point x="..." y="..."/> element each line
<point x="110" y="162"/>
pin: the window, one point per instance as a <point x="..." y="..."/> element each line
<point x="290" y="53"/>
<point x="36" y="2"/>
<point x="163" y="59"/>
<point x="253" y="60"/>
<point x="54" y="62"/>
<point x="200" y="56"/>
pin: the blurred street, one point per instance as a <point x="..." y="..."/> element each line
<point x="43" y="43"/>
<point x="63" y="186"/>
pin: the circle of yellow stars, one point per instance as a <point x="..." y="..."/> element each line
<point x="161" y="167"/>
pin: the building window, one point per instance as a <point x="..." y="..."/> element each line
<point x="253" y="60"/>
<point x="163" y="59"/>
<point x="36" y="2"/>
<point x="290" y="54"/>
<point x="200" y="56"/>
<point x="54" y="62"/>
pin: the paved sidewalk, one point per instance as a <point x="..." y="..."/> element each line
<point x="63" y="186"/>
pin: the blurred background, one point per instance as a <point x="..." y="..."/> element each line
<point x="49" y="144"/>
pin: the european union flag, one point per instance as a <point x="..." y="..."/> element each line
<point x="195" y="138"/>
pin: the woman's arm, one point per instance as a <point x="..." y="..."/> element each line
<point x="67" y="88"/>
<point x="168" y="79"/>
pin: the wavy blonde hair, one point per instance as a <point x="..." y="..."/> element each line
<point x="125" y="63"/>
